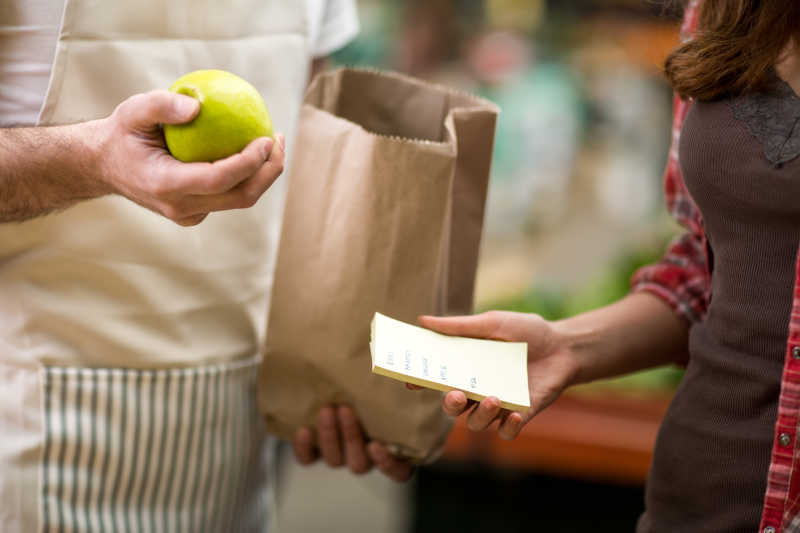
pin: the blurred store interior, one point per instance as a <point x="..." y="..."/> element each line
<point x="575" y="206"/>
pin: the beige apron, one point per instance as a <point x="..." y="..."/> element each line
<point x="128" y="344"/>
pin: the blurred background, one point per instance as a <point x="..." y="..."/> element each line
<point x="575" y="206"/>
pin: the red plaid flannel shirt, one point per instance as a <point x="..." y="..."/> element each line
<point x="682" y="279"/>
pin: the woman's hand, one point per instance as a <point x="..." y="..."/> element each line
<point x="640" y="331"/>
<point x="551" y="365"/>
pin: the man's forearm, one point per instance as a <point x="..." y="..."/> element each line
<point x="638" y="332"/>
<point x="45" y="169"/>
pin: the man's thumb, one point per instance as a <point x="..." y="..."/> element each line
<point x="185" y="108"/>
<point x="159" y="107"/>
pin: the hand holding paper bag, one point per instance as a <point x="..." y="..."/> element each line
<point x="340" y="441"/>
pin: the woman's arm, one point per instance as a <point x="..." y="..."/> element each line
<point x="637" y="332"/>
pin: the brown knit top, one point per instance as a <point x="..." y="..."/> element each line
<point x="740" y="162"/>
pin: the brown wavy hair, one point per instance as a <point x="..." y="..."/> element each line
<point x="737" y="44"/>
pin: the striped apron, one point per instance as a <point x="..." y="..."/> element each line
<point x="129" y="345"/>
<point x="152" y="450"/>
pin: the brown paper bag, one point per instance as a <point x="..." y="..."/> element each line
<point x="384" y="213"/>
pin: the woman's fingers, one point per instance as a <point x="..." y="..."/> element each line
<point x="481" y="415"/>
<point x="455" y="403"/>
<point x="484" y="414"/>
<point x="510" y="426"/>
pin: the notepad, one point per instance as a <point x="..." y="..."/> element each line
<point x="478" y="367"/>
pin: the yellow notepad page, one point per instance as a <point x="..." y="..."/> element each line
<point x="478" y="367"/>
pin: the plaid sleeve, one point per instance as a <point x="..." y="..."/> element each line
<point x="681" y="277"/>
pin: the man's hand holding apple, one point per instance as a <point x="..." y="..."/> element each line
<point x="48" y="168"/>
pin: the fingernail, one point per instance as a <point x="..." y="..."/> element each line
<point x="185" y="106"/>
<point x="454" y="405"/>
<point x="266" y="149"/>
<point x="282" y="141"/>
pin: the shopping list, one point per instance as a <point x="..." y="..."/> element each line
<point x="478" y="367"/>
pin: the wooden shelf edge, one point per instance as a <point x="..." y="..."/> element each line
<point x="600" y="436"/>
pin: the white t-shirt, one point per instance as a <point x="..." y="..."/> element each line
<point x="29" y="31"/>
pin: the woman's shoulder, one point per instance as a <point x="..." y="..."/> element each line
<point x="771" y="116"/>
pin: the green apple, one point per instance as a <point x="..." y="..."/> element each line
<point x="232" y="113"/>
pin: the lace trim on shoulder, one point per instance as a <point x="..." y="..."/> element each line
<point x="772" y="117"/>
